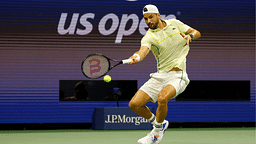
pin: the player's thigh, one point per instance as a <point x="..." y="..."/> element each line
<point x="140" y="99"/>
<point x="166" y="94"/>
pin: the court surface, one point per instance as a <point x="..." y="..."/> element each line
<point x="172" y="136"/>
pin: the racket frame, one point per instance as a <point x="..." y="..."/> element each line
<point x="109" y="66"/>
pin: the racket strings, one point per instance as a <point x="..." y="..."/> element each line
<point x="95" y="66"/>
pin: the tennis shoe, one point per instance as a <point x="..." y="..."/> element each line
<point x="151" y="138"/>
<point x="164" y="126"/>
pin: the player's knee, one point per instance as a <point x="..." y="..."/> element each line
<point x="133" y="105"/>
<point x="162" y="100"/>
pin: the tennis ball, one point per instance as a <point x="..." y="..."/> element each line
<point x="107" y="78"/>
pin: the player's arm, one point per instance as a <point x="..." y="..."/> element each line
<point x="141" y="54"/>
<point x="191" y="35"/>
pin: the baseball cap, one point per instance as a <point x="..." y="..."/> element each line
<point x="150" y="9"/>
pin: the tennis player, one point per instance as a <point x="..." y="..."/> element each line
<point x="169" y="42"/>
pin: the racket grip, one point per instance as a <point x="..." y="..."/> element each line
<point x="126" y="61"/>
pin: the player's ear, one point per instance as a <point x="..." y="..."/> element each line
<point x="158" y="15"/>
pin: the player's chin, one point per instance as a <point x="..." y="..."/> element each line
<point x="152" y="27"/>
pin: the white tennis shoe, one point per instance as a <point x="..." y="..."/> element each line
<point x="154" y="139"/>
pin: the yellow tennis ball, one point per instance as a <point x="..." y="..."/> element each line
<point x="107" y="78"/>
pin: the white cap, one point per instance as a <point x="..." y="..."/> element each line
<point x="150" y="9"/>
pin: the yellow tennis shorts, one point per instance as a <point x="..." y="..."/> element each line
<point x="178" y="79"/>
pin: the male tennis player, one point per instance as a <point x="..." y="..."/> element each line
<point x="169" y="42"/>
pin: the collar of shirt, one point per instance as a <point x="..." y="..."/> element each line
<point x="158" y="29"/>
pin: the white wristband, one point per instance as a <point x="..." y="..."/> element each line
<point x="138" y="57"/>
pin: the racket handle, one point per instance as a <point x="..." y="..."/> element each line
<point x="126" y="61"/>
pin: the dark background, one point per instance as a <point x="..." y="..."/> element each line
<point x="216" y="91"/>
<point x="98" y="90"/>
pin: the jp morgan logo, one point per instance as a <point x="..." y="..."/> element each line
<point x="125" y="119"/>
<point x="121" y="26"/>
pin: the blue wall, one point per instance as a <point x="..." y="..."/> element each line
<point x="40" y="46"/>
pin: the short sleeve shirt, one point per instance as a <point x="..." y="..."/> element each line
<point x="167" y="45"/>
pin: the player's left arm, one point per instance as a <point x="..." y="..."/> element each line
<point x="190" y="35"/>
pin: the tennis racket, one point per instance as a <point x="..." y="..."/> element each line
<point x="97" y="65"/>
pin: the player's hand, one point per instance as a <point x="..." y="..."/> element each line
<point x="187" y="37"/>
<point x="134" y="60"/>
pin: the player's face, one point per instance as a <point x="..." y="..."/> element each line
<point x="152" y="20"/>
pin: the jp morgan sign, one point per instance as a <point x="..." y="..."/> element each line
<point x="118" y="119"/>
<point x="125" y="119"/>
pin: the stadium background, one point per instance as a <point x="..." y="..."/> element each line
<point x="34" y="56"/>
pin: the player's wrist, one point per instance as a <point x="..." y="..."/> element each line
<point x="191" y="36"/>
<point x="137" y="57"/>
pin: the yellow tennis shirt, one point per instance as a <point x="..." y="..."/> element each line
<point x="167" y="45"/>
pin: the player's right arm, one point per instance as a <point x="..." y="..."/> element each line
<point x="142" y="53"/>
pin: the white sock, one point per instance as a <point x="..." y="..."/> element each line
<point x="152" y="120"/>
<point x="157" y="127"/>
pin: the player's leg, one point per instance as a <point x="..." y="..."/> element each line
<point x="165" y="95"/>
<point x="150" y="90"/>
<point x="176" y="84"/>
<point x="156" y="135"/>
<point x="137" y="104"/>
